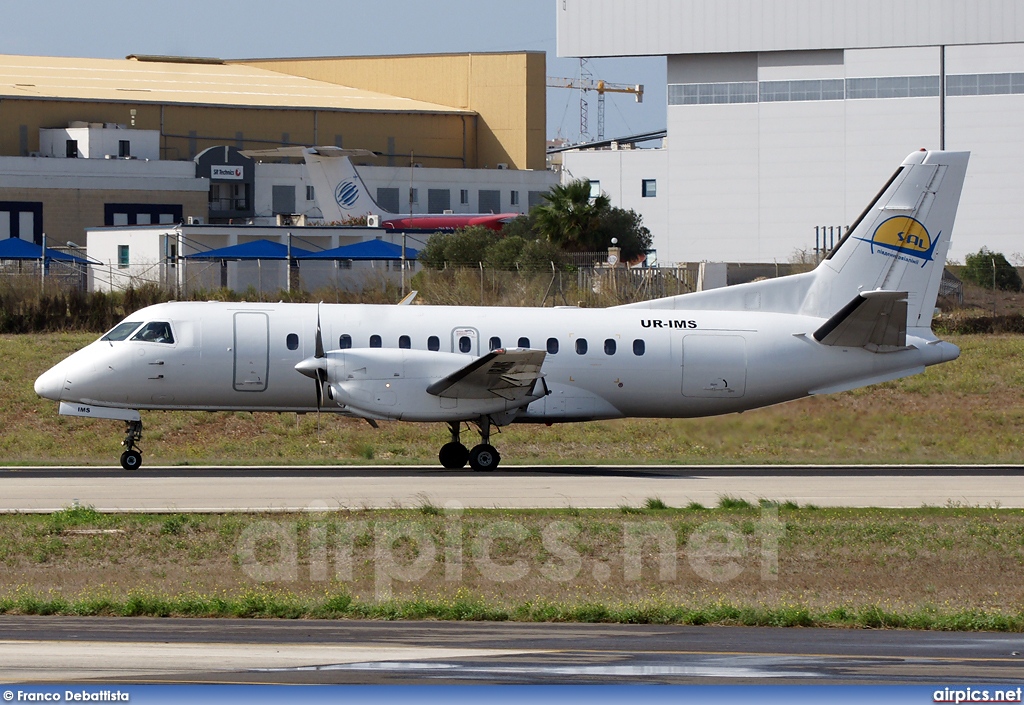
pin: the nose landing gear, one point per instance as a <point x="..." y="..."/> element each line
<point x="483" y="456"/>
<point x="131" y="459"/>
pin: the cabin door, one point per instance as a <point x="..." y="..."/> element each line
<point x="252" y="351"/>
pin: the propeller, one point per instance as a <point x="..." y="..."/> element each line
<point x="316" y="366"/>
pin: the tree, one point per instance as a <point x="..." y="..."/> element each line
<point x="626" y="226"/>
<point x="464" y="247"/>
<point x="978" y="269"/>
<point x="570" y="218"/>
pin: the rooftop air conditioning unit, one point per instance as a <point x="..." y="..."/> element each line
<point x="194" y="220"/>
<point x="373" y="221"/>
<point x="502" y="165"/>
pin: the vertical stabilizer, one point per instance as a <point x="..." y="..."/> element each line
<point x="899" y="242"/>
<point x="340" y="192"/>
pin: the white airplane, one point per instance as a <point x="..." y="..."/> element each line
<point x="331" y="171"/>
<point x="861" y="317"/>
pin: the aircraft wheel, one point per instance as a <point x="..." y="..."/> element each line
<point x="453" y="455"/>
<point x="131" y="460"/>
<point x="484" y="457"/>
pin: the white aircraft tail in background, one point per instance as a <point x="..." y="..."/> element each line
<point x="343" y="197"/>
<point x="861" y="317"/>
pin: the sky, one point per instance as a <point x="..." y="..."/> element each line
<point x="229" y="29"/>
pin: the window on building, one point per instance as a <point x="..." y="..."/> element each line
<point x="438" y="200"/>
<point x="524" y="342"/>
<point x="490" y="200"/>
<point x="124" y="148"/>
<point x="649" y="188"/>
<point x="345" y="341"/>
<point x="122" y="257"/>
<point x="71" y="149"/>
<point x="609" y="346"/>
<point x="414" y="195"/>
<point x="552" y="346"/>
<point x="292" y="341"/>
<point x="404" y="341"/>
<point x="283" y="199"/>
<point x="581" y="346"/>
<point x="387" y="198"/>
<point x="638" y="347"/>
<point x="464" y="196"/>
<point x="310" y="193"/>
<point x="374" y="341"/>
<point x="433" y="343"/>
<point x="494" y="343"/>
<point x="595" y="189"/>
<point x="514" y="198"/>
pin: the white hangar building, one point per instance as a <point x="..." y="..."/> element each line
<point x="783" y="115"/>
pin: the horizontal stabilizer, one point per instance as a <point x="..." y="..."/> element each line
<point x="510" y="374"/>
<point x="876" y="320"/>
<point x="303" y="151"/>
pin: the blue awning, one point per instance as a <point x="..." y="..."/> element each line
<point x="257" y="249"/>
<point x="366" y="250"/>
<point x="16" y="248"/>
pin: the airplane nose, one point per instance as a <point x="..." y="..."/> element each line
<point x="50" y="384"/>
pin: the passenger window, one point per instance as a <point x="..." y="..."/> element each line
<point x="524" y="342"/>
<point x="609" y="346"/>
<point x="345" y="342"/>
<point x="552" y="346"/>
<point x="121" y="331"/>
<point x="374" y="341"/>
<point x="157" y="333"/>
<point x="495" y="343"/>
<point x="433" y="343"/>
<point x="465" y="344"/>
<point x="638" y="347"/>
<point x="581" y="346"/>
<point x="292" y="341"/>
<point x="404" y="341"/>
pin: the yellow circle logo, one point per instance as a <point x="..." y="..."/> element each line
<point x="904" y="235"/>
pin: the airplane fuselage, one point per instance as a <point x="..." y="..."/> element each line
<point x="599" y="363"/>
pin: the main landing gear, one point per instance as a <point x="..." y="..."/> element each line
<point x="484" y="456"/>
<point x="131" y="459"/>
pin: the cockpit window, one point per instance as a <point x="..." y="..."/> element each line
<point x="121" y="331"/>
<point x="155" y="332"/>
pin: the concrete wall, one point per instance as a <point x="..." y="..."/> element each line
<point x="505" y="181"/>
<point x="74" y="192"/>
<point x="663" y="27"/>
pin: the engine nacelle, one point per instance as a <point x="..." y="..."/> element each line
<point x="392" y="384"/>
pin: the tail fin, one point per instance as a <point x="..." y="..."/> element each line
<point x="899" y="242"/>
<point x="340" y="192"/>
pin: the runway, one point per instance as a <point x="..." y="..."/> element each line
<point x="141" y="650"/>
<point x="275" y="489"/>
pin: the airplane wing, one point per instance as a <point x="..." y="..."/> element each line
<point x="876" y="320"/>
<point x="510" y="374"/>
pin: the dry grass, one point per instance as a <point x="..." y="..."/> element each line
<point x="970" y="411"/>
<point x="940" y="561"/>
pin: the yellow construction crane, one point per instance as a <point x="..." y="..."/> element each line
<point x="586" y="83"/>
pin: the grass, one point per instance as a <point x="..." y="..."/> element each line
<point x="925" y="568"/>
<point x="967" y="411"/>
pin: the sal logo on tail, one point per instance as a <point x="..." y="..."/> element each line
<point x="903" y="235"/>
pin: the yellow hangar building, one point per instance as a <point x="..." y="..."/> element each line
<point x="145" y="119"/>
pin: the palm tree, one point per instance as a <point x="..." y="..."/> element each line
<point x="570" y="217"/>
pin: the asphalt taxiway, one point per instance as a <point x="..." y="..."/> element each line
<point x="142" y="650"/>
<point x="235" y="488"/>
